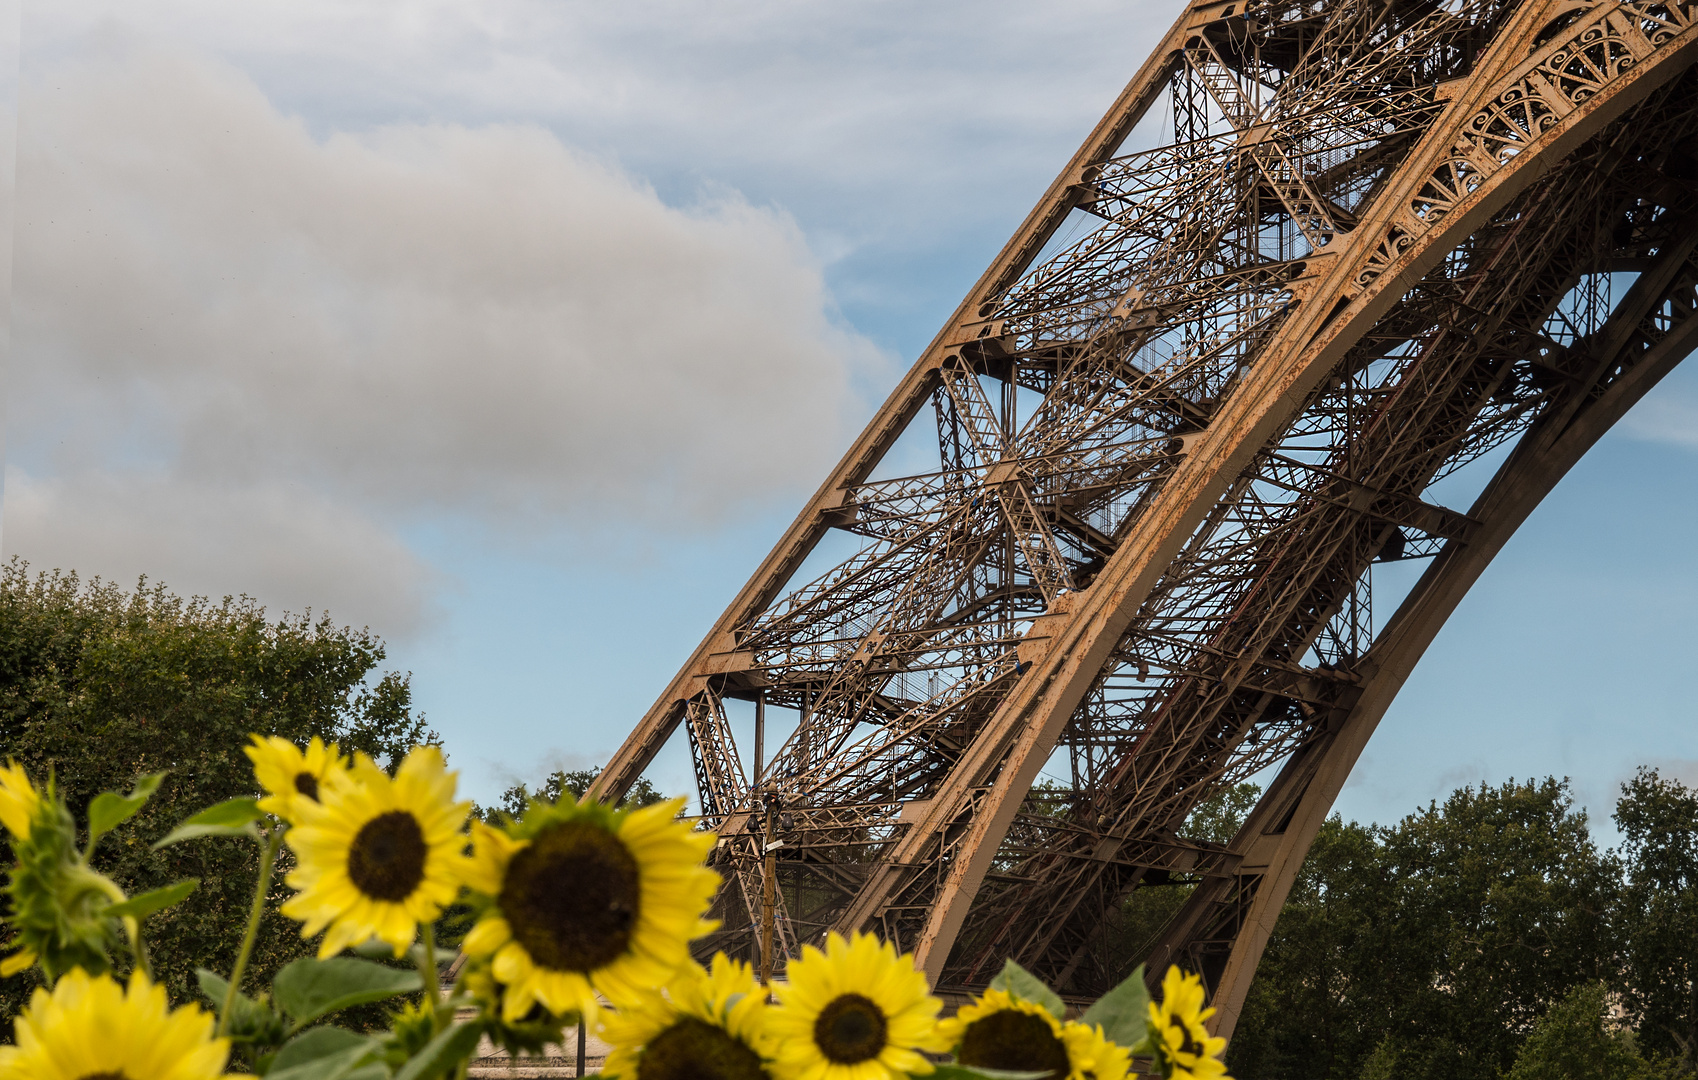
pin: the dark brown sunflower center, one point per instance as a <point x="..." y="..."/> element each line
<point x="387" y="858"/>
<point x="850" y="1029"/>
<point x="694" y="1049"/>
<point x="104" y="1076"/>
<point x="572" y="897"/>
<point x="1017" y="1041"/>
<point x="1188" y="1045"/>
<point x="307" y="784"/>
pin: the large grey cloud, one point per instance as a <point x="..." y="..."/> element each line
<point x="279" y="541"/>
<point x="431" y="321"/>
<point x="898" y="127"/>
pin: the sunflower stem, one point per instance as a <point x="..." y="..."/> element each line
<point x="138" y="948"/>
<point x="427" y="972"/>
<point x="262" y="888"/>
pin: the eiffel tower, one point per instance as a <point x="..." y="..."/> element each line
<point x="1318" y="256"/>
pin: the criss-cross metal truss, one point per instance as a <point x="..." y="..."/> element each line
<point x="1204" y="391"/>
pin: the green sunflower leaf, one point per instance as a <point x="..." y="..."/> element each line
<point x="213" y="987"/>
<point x="108" y="810"/>
<point x="1023" y="984"/>
<point x="1123" y="1012"/>
<point x="378" y="949"/>
<point x="232" y="812"/>
<point x="140" y="907"/>
<point x="232" y="817"/>
<point x="308" y="989"/>
<point x="195" y="832"/>
<point x="975" y="1072"/>
<point x="448" y="1049"/>
<point x="323" y="1053"/>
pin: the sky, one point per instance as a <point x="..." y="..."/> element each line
<point x="518" y="331"/>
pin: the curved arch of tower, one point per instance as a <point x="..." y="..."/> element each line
<point x="1317" y="257"/>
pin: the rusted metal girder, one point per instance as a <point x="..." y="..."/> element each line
<point x="1375" y="241"/>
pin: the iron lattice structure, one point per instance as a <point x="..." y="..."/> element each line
<point x="1202" y="394"/>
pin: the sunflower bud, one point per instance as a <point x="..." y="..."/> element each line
<point x="58" y="900"/>
<point x="411" y="1027"/>
<point x="531" y="1033"/>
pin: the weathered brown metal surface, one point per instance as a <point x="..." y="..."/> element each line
<point x="1374" y="241"/>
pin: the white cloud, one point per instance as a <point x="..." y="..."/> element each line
<point x="278" y="542"/>
<point x="420" y="322"/>
<point x="422" y="316"/>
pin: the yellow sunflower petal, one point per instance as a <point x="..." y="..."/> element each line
<point x="19" y="961"/>
<point x="18" y="800"/>
<point x="1091" y="1054"/>
<point x="565" y="991"/>
<point x="708" y="1000"/>
<point x="487" y="935"/>
<point x="492" y="850"/>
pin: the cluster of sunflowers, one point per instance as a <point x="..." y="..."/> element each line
<point x="581" y="914"/>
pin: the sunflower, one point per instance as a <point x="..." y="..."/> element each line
<point x="89" y="1026"/>
<point x="708" y="1026"/>
<point x="290" y="774"/>
<point x="854" y="1012"/>
<point x="1176" y="1023"/>
<point x="1092" y="1053"/>
<point x="18" y="799"/>
<point x="1002" y="1031"/>
<point x="580" y="898"/>
<point x="377" y="855"/>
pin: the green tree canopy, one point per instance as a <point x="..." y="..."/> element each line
<point x="559" y="782"/>
<point x="1310" y="1012"/>
<point x="1658" y="913"/>
<point x="99" y="684"/>
<point x="1437" y="942"/>
<point x="1576" y="1041"/>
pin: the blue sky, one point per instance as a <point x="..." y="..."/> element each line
<point x="518" y="330"/>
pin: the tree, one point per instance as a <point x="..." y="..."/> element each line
<point x="516" y="798"/>
<point x="1218" y="818"/>
<point x="1435" y="944"/>
<point x="1658" y="913"/>
<point x="1500" y="907"/>
<point x="1306" y="1013"/>
<point x="99" y="685"/>
<point x="1573" y="1041"/>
